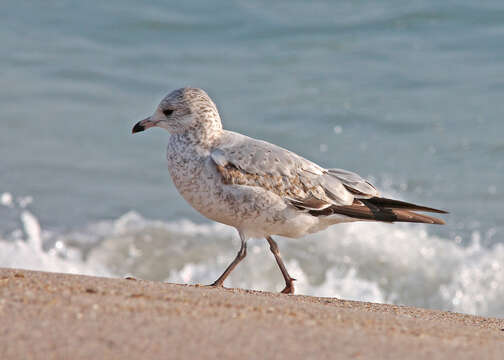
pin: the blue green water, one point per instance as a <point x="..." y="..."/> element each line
<point x="408" y="95"/>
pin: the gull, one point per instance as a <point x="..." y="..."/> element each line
<point x="260" y="188"/>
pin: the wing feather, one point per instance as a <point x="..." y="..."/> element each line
<point x="306" y="186"/>
<point x="354" y="183"/>
<point x="245" y="161"/>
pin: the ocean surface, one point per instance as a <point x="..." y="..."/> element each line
<point x="409" y="95"/>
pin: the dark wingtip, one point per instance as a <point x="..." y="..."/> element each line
<point x="137" y="128"/>
<point x="434" y="210"/>
<point x="397" y="204"/>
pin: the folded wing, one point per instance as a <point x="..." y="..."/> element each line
<point x="245" y="161"/>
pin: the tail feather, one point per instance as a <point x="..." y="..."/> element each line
<point x="382" y="209"/>
<point x="410" y="216"/>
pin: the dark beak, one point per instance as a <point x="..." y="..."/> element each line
<point x="137" y="128"/>
<point x="143" y="125"/>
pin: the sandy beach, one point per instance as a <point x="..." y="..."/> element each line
<point x="60" y="316"/>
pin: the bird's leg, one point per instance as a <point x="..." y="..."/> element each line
<point x="289" y="282"/>
<point x="239" y="257"/>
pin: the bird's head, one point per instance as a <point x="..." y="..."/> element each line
<point x="183" y="110"/>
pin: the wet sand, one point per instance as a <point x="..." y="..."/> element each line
<point x="60" y="316"/>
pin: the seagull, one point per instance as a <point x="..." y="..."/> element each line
<point x="260" y="188"/>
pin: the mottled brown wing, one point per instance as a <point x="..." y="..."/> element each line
<point x="245" y="161"/>
<point x="292" y="189"/>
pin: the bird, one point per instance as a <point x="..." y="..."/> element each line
<point x="259" y="188"/>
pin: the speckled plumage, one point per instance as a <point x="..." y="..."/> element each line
<point x="257" y="187"/>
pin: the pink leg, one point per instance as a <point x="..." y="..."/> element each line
<point x="239" y="257"/>
<point x="289" y="282"/>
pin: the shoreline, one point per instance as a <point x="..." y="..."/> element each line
<point x="60" y="316"/>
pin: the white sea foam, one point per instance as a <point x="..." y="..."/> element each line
<point x="23" y="248"/>
<point x="6" y="199"/>
<point x="400" y="264"/>
<point x="32" y="228"/>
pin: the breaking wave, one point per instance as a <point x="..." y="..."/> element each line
<point x="400" y="264"/>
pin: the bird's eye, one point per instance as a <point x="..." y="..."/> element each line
<point x="167" y="112"/>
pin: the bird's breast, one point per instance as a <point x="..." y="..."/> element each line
<point x="194" y="177"/>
